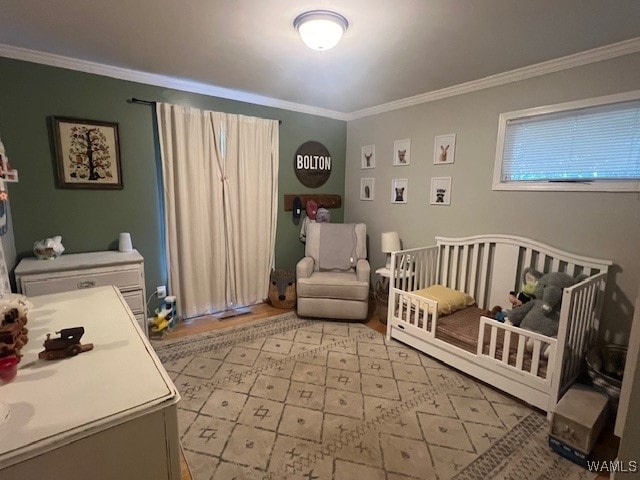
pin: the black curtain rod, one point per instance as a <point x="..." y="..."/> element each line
<point x="149" y="102"/>
<point x="141" y="102"/>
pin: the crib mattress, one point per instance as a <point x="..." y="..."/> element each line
<point x="461" y="329"/>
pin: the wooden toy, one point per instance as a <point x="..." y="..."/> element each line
<point x="67" y="345"/>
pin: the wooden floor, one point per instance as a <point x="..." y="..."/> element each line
<point x="606" y="448"/>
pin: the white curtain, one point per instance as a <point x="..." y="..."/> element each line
<point x="220" y="181"/>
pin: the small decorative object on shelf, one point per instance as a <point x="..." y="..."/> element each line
<point x="67" y="345"/>
<point x="13" y="334"/>
<point x="49" y="248"/>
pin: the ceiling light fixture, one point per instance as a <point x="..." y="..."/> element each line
<point x="320" y="29"/>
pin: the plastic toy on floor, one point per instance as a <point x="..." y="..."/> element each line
<point x="165" y="318"/>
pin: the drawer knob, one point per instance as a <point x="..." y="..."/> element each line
<point x="86" y="284"/>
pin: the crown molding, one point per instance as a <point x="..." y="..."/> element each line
<point x="594" y="55"/>
<point x="164" y="81"/>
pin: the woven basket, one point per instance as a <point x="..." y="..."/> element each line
<point x="605" y="366"/>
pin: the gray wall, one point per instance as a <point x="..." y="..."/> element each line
<point x="630" y="404"/>
<point x="605" y="225"/>
<point x="90" y="220"/>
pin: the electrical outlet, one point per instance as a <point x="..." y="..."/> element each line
<point x="161" y="290"/>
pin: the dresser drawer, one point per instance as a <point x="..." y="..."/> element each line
<point x="122" y="279"/>
<point x="135" y="301"/>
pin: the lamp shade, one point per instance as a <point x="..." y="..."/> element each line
<point x="390" y="242"/>
<point x="320" y="29"/>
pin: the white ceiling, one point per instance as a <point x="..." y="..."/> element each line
<point x="393" y="49"/>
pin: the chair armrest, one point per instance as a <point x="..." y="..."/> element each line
<point x="304" y="268"/>
<point x="363" y="270"/>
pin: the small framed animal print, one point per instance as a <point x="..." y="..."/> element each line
<point x="402" y="152"/>
<point x="368" y="156"/>
<point x="444" y="149"/>
<point x="366" y="188"/>
<point x="399" y="190"/>
<point x="440" y="191"/>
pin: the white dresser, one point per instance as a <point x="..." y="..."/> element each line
<point x="77" y="271"/>
<point x="106" y="414"/>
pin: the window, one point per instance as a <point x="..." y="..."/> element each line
<point x="589" y="145"/>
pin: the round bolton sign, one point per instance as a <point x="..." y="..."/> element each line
<point x="312" y="164"/>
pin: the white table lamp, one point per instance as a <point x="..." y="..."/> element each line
<point x="390" y="243"/>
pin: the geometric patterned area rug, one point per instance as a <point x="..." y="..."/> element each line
<point x="289" y="398"/>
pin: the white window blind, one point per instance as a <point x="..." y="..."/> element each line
<point x="593" y="144"/>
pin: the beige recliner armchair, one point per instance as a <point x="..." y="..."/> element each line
<point x="332" y="280"/>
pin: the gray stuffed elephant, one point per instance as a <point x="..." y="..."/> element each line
<point x="542" y="314"/>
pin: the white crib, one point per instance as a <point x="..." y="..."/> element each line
<point x="487" y="267"/>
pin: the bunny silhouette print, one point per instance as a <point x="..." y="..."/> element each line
<point x="443" y="153"/>
<point x="368" y="159"/>
<point x="444" y="149"/>
<point x="399" y="194"/>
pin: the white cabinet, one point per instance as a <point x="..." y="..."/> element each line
<point x="106" y="414"/>
<point x="78" y="271"/>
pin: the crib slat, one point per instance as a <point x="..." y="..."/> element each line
<point x="402" y="269"/>
<point x="410" y="276"/>
<point x="582" y="317"/>
<point x="483" y="276"/>
<point x="493" y="342"/>
<point x="520" y="354"/>
<point x="579" y="327"/>
<point x="418" y="270"/>
<point x="422" y="315"/>
<point x="434" y="321"/>
<point x="454" y="268"/>
<point x="537" y="261"/>
<point x="588" y="316"/>
<point x="551" y="360"/>
<point x="535" y="358"/>
<point x="464" y="265"/>
<point x="481" y="338"/>
<point x="444" y="267"/>
<point x="405" y="272"/>
<point x="433" y="267"/>
<point x="568" y="364"/>
<point x="527" y="258"/>
<point x="414" y="311"/>
<point x="506" y="346"/>
<point x="555" y="264"/>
